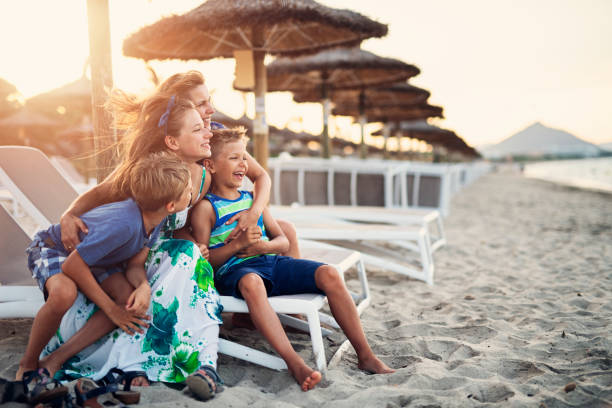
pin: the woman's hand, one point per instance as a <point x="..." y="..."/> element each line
<point x="70" y="227"/>
<point x="245" y="219"/>
<point x="126" y="320"/>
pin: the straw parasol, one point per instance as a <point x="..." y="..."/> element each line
<point x="322" y="74"/>
<point x="433" y="135"/>
<point x="75" y="97"/>
<point x="24" y="120"/>
<point x="248" y="30"/>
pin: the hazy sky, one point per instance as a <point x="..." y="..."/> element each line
<point x="495" y="66"/>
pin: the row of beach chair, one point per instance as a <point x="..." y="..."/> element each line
<point x="347" y="237"/>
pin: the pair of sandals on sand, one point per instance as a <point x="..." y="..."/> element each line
<point x="114" y="390"/>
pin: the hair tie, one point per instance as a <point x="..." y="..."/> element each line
<point x="163" y="121"/>
<point x="216" y="125"/>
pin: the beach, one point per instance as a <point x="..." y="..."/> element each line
<point x="520" y="315"/>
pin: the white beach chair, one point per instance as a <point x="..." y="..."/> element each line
<point x="428" y="219"/>
<point x="37" y="185"/>
<point x="308" y="305"/>
<point x="19" y="297"/>
<point x="45" y="193"/>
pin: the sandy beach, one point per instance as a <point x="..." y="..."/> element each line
<point x="519" y="315"/>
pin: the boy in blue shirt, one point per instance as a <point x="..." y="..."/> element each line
<point x="248" y="267"/>
<point x="119" y="237"/>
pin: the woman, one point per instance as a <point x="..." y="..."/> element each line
<point x="184" y="301"/>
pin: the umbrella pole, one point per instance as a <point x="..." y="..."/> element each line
<point x="363" y="149"/>
<point x="260" y="127"/>
<point x="386" y="132"/>
<point x="104" y="135"/>
<point x="398" y="135"/>
<point x="325" y="142"/>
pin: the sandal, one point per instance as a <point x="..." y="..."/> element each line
<point x="41" y="388"/>
<point x="204" y="383"/>
<point x="90" y="394"/>
<point x="117" y="376"/>
<point x="12" y="391"/>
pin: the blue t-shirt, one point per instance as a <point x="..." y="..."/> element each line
<point x="116" y="233"/>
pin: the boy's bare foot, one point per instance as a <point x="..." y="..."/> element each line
<point x="374" y="365"/>
<point x="305" y="376"/>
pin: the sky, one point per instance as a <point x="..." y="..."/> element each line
<point x="495" y="66"/>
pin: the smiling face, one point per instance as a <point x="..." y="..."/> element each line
<point x="193" y="141"/>
<point x="229" y="165"/>
<point x="202" y="101"/>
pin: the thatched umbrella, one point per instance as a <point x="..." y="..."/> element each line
<point x="433" y="135"/>
<point x="323" y="73"/>
<point x="389" y="95"/>
<point x="26" y="120"/>
<point x="6" y="90"/>
<point x="383" y="113"/>
<point x="248" y="30"/>
<point x="75" y="97"/>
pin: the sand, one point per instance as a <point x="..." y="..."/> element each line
<point x="520" y="311"/>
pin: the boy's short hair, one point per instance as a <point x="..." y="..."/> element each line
<point x="223" y="136"/>
<point x="157" y="179"/>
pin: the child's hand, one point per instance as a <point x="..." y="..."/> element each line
<point x="139" y="300"/>
<point x="249" y="236"/>
<point x="127" y="321"/>
<point x="203" y="250"/>
<point x="245" y="219"/>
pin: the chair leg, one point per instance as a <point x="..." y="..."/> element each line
<point x="317" y="340"/>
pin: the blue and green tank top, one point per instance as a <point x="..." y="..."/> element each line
<point x="224" y="210"/>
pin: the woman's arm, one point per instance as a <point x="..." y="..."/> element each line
<point x="71" y="224"/>
<point x="261" y="196"/>
<point x="277" y="244"/>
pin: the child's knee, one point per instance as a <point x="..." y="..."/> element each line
<point x="327" y="278"/>
<point x="62" y="296"/>
<point x="251" y="284"/>
<point x="117" y="287"/>
<point x="288" y="229"/>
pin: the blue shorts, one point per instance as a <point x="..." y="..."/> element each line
<point x="45" y="259"/>
<point x="282" y="275"/>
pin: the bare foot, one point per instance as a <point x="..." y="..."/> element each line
<point x="374" y="365"/>
<point x="140" y="382"/>
<point x="21" y="370"/>
<point x="305" y="376"/>
<point x="50" y="365"/>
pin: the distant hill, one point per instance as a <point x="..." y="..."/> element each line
<point x="606" y="146"/>
<point x="538" y="140"/>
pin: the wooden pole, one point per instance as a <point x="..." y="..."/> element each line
<point x="104" y="135"/>
<point x="363" y="148"/>
<point x="325" y="142"/>
<point x="260" y="126"/>
<point x="386" y="133"/>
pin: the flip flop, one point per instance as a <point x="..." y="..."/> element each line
<point x="41" y="388"/>
<point x="90" y="394"/>
<point x="204" y="383"/>
<point x="119" y="377"/>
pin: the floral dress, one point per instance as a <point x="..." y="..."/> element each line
<point x="185" y="316"/>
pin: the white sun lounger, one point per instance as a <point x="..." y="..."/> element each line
<point x="37" y="191"/>
<point x="426" y="218"/>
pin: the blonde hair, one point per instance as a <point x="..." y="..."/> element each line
<point x="224" y="136"/>
<point x="157" y="179"/>
<point x="139" y="121"/>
